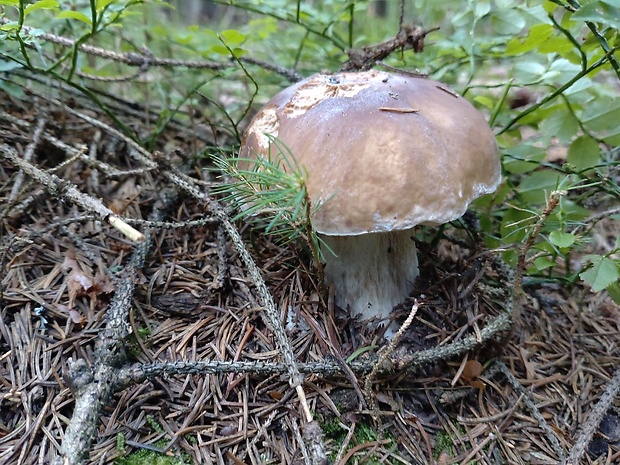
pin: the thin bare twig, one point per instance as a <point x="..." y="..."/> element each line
<point x="383" y="356"/>
<point x="28" y="154"/>
<point x="518" y="295"/>
<point x="290" y="74"/>
<point x="345" y="444"/>
<point x="365" y="58"/>
<point x="542" y="423"/>
<point x="401" y="14"/>
<point x="69" y="192"/>
<point x="585" y="225"/>
<point x="145" y="58"/>
<point x="594" y="419"/>
<point x="93" y="389"/>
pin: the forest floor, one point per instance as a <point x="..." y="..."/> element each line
<point x="85" y="311"/>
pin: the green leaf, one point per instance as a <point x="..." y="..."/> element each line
<point x="560" y="71"/>
<point x="529" y="70"/>
<point x="485" y="101"/>
<point x="103" y="4"/>
<point x="542" y="263"/>
<point x="549" y="6"/>
<point x="12" y="90"/>
<point x="536" y="187"/>
<point x="584" y="153"/>
<point x="523" y="158"/>
<point x="9" y="2"/>
<point x="561" y="123"/>
<point x="359" y="352"/>
<point x="507" y="21"/>
<point x="602" y="115"/>
<point x="7" y="65"/>
<point x="536" y="37"/>
<point x="599" y="12"/>
<point x="70" y="14"/>
<point x="571" y="211"/>
<point x="603" y="272"/>
<point x="463" y="18"/>
<point x="238" y="52"/>
<point x="482" y="8"/>
<point x="505" y="4"/>
<point x="614" y="292"/>
<point x="561" y="238"/>
<point x="579" y="87"/>
<point x="232" y="37"/>
<point x="262" y="28"/>
<point x="219" y="49"/>
<point x="559" y="45"/>
<point x="41" y="4"/>
<point x="611" y="137"/>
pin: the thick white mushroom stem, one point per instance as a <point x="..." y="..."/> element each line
<point x="371" y="272"/>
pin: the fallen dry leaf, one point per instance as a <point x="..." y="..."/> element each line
<point x="473" y="369"/>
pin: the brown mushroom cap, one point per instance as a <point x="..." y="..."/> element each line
<point x="382" y="151"/>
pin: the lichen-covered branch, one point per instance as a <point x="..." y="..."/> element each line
<point x="408" y="37"/>
<point x="593" y="420"/>
<point x="67" y="191"/>
<point x="93" y="387"/>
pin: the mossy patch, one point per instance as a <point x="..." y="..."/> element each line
<point x="150" y="457"/>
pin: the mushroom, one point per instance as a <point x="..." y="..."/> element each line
<point x="382" y="153"/>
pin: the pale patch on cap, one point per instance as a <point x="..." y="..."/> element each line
<point x="322" y="87"/>
<point x="265" y="127"/>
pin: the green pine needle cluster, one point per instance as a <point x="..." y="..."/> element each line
<point x="271" y="193"/>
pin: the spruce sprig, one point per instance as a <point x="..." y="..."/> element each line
<point x="271" y="193"/>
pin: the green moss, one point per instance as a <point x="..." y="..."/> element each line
<point x="150" y="419"/>
<point x="364" y="432"/>
<point x="150" y="457"/>
<point x="134" y="349"/>
<point x="120" y="443"/>
<point x="146" y="456"/>
<point x="333" y="430"/>
<point x="144" y="332"/>
<point x="443" y="443"/>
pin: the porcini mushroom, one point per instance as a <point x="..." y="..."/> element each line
<point x="383" y="153"/>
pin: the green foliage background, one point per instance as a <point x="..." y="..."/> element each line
<point x="561" y="56"/>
